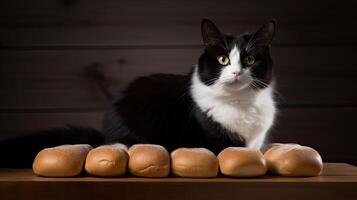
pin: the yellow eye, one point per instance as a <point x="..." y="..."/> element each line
<point x="223" y="60"/>
<point x="249" y="60"/>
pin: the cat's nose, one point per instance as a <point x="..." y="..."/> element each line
<point x="237" y="73"/>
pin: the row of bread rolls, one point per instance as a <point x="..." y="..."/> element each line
<point x="147" y="160"/>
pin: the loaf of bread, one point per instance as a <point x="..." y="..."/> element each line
<point x="61" y="161"/>
<point x="293" y="160"/>
<point x="242" y="162"/>
<point x="149" y="160"/>
<point x="194" y="162"/>
<point x="107" y="160"/>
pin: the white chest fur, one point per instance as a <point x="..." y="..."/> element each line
<point x="248" y="113"/>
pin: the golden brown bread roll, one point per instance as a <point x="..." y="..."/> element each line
<point x="149" y="160"/>
<point x="293" y="160"/>
<point x="194" y="162"/>
<point x="107" y="160"/>
<point x="242" y="162"/>
<point x="61" y="161"/>
<point x="268" y="146"/>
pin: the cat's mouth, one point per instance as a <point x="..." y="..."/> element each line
<point x="238" y="83"/>
<point x="242" y="79"/>
<point x="234" y="82"/>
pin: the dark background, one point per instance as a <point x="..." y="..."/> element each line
<point x="49" y="48"/>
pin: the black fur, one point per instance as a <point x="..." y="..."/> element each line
<point x="158" y="109"/>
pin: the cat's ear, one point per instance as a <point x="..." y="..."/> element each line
<point x="210" y="34"/>
<point x="264" y="35"/>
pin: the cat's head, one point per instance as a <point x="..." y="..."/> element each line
<point x="234" y="63"/>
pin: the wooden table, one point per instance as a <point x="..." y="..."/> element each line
<point x="338" y="181"/>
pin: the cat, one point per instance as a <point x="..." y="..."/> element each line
<point x="226" y="100"/>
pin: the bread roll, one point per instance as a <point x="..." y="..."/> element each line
<point x="268" y="146"/>
<point x="194" y="162"/>
<point x="242" y="162"/>
<point x="61" y="161"/>
<point x="148" y="160"/>
<point x="107" y="160"/>
<point x="293" y="160"/>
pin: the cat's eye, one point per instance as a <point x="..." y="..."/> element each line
<point x="223" y="60"/>
<point x="249" y="60"/>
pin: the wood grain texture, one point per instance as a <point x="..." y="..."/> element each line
<point x="337" y="180"/>
<point x="41" y="79"/>
<point x="328" y="130"/>
<point x="332" y="172"/>
<point x="132" y="23"/>
<point x="60" y="79"/>
<point x="16" y="124"/>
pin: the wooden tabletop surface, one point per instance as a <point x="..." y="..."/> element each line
<point x="337" y="179"/>
<point x="332" y="172"/>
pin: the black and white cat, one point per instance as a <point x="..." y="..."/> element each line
<point x="226" y="100"/>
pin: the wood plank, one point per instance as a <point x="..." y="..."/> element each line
<point x="170" y="33"/>
<point x="331" y="131"/>
<point x="41" y="79"/>
<point x="20" y="124"/>
<point x="314" y="75"/>
<point x="59" y="79"/>
<point x="22" y="184"/>
<point x="126" y="23"/>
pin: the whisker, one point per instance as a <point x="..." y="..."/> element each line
<point x="260" y="81"/>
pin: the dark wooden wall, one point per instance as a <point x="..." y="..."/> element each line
<point x="48" y="47"/>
